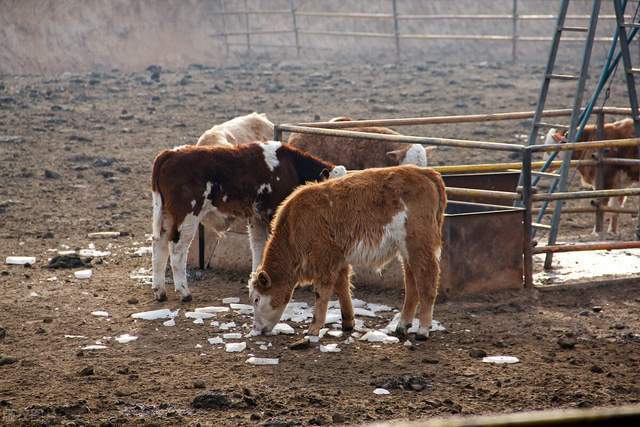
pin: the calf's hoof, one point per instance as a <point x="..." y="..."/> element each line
<point x="401" y="331"/>
<point x="422" y="334"/>
<point x="161" y="296"/>
<point x="301" y="344"/>
<point x="347" y="327"/>
<point x="187" y="298"/>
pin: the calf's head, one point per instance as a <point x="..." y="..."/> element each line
<point x="269" y="300"/>
<point x="413" y="154"/>
<point x="336" y="172"/>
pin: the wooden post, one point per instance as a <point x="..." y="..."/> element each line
<point x="527" y="244"/>
<point x="292" y="6"/>
<point x="599" y="174"/>
<point x="514" y="31"/>
<point x="246" y="22"/>
<point x="396" y="31"/>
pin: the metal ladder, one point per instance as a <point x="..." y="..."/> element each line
<point x="578" y="116"/>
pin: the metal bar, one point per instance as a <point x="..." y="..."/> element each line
<point x="277" y="133"/>
<point x="292" y="6"/>
<point x="497" y="167"/>
<point x="479" y="37"/>
<point x="528" y="231"/>
<point x="283" y="46"/>
<point x="514" y="31"/>
<point x="346" y="34"/>
<point x="545" y="17"/>
<point x="562" y="76"/>
<point x="470" y="118"/>
<point x="577" y="146"/>
<point x="577" y="247"/>
<point x="447" y="142"/>
<point x="592" y="209"/>
<point x="504" y="17"/>
<point x="224" y="30"/>
<point x="620" y="162"/>
<point x="396" y="30"/>
<point x="255" y="32"/>
<point x="254" y="12"/>
<point x="599" y="220"/>
<point x="201" y="246"/>
<point x="591" y="194"/>
<point x="347" y="15"/>
<point x="472" y="192"/>
<point x="247" y="28"/>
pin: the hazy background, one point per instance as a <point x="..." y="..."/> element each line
<point x="54" y="36"/>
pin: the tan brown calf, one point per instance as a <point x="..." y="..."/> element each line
<point x="254" y="127"/>
<point x="615" y="176"/>
<point x="366" y="218"/>
<point x="248" y="181"/>
<point x="357" y="153"/>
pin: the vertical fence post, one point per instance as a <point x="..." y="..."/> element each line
<point x="396" y="31"/>
<point x="224" y="29"/>
<point x="246" y="22"/>
<point x="292" y="6"/>
<point x="599" y="173"/>
<point x="514" y="31"/>
<point x="527" y="244"/>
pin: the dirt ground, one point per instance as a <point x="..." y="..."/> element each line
<point x="76" y="153"/>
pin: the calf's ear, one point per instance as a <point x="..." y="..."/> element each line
<point x="397" y="155"/>
<point x="264" y="280"/>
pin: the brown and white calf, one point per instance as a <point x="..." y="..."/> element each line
<point x="365" y="218"/>
<point x="240" y="130"/>
<point x="247" y="181"/>
<point x="615" y="176"/>
<point x="357" y="153"/>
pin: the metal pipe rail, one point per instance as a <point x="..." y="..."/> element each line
<point x="500" y="167"/>
<point x="580" y="146"/>
<point x="592" y="194"/>
<point x="620" y="161"/>
<point x="576" y="247"/>
<point x="447" y="142"/>
<point x="471" y="192"/>
<point x="591" y="209"/>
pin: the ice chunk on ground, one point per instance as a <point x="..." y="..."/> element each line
<point x="81" y="337"/>
<point x="100" y="313"/>
<point x="94" y="347"/>
<point x="333" y="316"/>
<point x="242" y="308"/>
<point x="381" y="391"/>
<point x="262" y="361"/>
<point x="125" y="338"/>
<point x="296" y="312"/>
<point x="282" y="329"/>
<point x="313" y="338"/>
<point x="227" y="326"/>
<point x="500" y="359"/>
<point x="198" y="315"/>
<point x="379" y="336"/>
<point x="335" y="334"/>
<point x="235" y="347"/>
<point x="322" y="332"/>
<point x="330" y="348"/>
<point x="215" y="340"/>
<point x="407" y="343"/>
<point x="198" y="321"/>
<point x="20" y="260"/>
<point x="34" y="294"/>
<point x="142" y="251"/>
<point x="253" y="333"/>
<point x="104" y="235"/>
<point x="93" y="253"/>
<point x="359" y="311"/>
<point x="212" y="309"/>
<point x="415" y="324"/>
<point x="164" y="313"/>
<point x="358" y="303"/>
<point x="230" y="300"/>
<point x="232" y="336"/>
<point x="170" y="322"/>
<point x="378" y="307"/>
<point x="264" y="347"/>
<point x="83" y="274"/>
<point x="198" y="345"/>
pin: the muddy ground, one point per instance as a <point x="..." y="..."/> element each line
<point x="75" y="156"/>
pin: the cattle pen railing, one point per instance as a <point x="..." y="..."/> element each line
<point x="297" y="31"/>
<point x="525" y="194"/>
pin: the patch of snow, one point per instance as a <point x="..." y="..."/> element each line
<point x="92" y="253"/>
<point x="358" y="311"/>
<point x="198" y="315"/>
<point x="379" y="336"/>
<point x="264" y="347"/>
<point x="164" y="313"/>
<point x="381" y="391"/>
<point x="170" y="322"/>
<point x="230" y="300"/>
<point x="104" y="235"/>
<point x="282" y="329"/>
<point x="20" y="260"/>
<point x="34" y="294"/>
<point x="335" y="334"/>
<point x="125" y="338"/>
<point x="80" y="337"/>
<point x="378" y="307"/>
<point x="262" y="361"/>
<point x="100" y="313"/>
<point x="198" y="321"/>
<point x="242" y="308"/>
<point x="235" y="347"/>
<point x="227" y="326"/>
<point x="500" y="359"/>
<point x="94" y="347"/>
<point x="143" y="250"/>
<point x="232" y="336"/>
<point x="215" y="340"/>
<point x="83" y="274"/>
<point x="415" y="324"/>
<point x="330" y="348"/>
<point x="212" y="309"/>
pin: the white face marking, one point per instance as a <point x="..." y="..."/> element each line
<point x="193" y="203"/>
<point x="549" y="139"/>
<point x="156" y="224"/>
<point x="338" y="171"/>
<point x="277" y="178"/>
<point x="393" y="241"/>
<point x="265" y="317"/>
<point x="264" y="188"/>
<point x="270" y="156"/>
<point x="225" y="198"/>
<point x="416" y="155"/>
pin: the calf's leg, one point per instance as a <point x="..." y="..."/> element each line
<point x="178" y="251"/>
<point x="410" y="300"/>
<point x="258" y="234"/>
<point x="323" y="293"/>
<point x="343" y="289"/>
<point x="426" y="271"/>
<point x="159" y="258"/>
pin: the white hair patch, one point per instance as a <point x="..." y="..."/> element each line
<point x="269" y="150"/>
<point x="416" y="155"/>
<point x="264" y="188"/>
